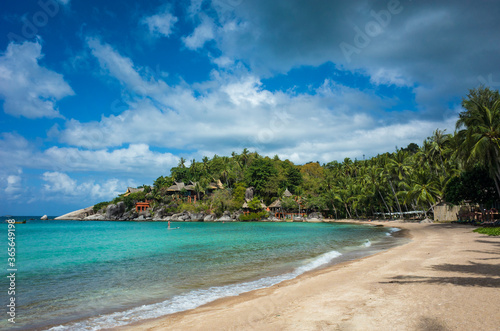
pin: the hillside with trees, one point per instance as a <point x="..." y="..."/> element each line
<point x="456" y="167"/>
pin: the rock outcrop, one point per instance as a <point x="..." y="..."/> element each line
<point x="78" y="214"/>
<point x="44" y="217"/>
<point x="118" y="212"/>
<point x="315" y="215"/>
<point x="95" y="217"/>
<point x="209" y="218"/>
<point x="114" y="212"/>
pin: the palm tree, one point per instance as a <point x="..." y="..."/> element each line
<point x="439" y="143"/>
<point x="244" y="157"/>
<point x="480" y="137"/>
<point x="182" y="163"/>
<point x="206" y="165"/>
<point x="372" y="176"/>
<point x="226" y="169"/>
<point x="396" y="169"/>
<point x="424" y="189"/>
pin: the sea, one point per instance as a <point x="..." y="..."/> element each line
<point x="92" y="275"/>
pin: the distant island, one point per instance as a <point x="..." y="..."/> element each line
<point x="409" y="182"/>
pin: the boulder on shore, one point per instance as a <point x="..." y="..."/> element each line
<point x="209" y="218"/>
<point x="198" y="217"/>
<point x="114" y="212"/>
<point x="95" y="217"/>
<point x="315" y="215"/>
<point x="181" y="217"/>
<point x="225" y="218"/>
<point x="44" y="217"/>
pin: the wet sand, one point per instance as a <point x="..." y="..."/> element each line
<point x="446" y="278"/>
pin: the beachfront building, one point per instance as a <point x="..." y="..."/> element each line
<point x="276" y="209"/>
<point x="141" y="206"/>
<point x="279" y="212"/>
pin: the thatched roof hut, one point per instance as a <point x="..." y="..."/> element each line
<point x="276" y="204"/>
<point x="131" y="190"/>
<point x="190" y="186"/>
<point x="177" y="187"/>
<point x="245" y="205"/>
<point x="287" y="193"/>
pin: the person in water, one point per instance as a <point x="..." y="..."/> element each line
<point x="169" y="225"/>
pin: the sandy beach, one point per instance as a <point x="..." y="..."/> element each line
<point x="446" y="278"/>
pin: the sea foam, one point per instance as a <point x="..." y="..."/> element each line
<point x="392" y="230"/>
<point x="191" y="299"/>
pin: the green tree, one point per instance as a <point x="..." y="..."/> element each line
<point x="258" y="173"/>
<point x="289" y="204"/>
<point x="474" y="185"/>
<point x="479" y="133"/>
<point x="424" y="190"/>
<point x="255" y="205"/>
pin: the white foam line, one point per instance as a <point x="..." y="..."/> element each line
<point x="190" y="300"/>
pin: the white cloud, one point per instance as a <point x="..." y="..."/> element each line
<point x="59" y="185"/>
<point x="59" y="182"/>
<point x="381" y="76"/>
<point x="133" y="159"/>
<point x="14" y="185"/>
<point x="231" y="112"/>
<point x="28" y="89"/>
<point x="160" y="24"/>
<point x="122" y="68"/>
<point x="201" y="34"/>
<point x="433" y="46"/>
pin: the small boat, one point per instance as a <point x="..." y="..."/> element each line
<point x="20" y="222"/>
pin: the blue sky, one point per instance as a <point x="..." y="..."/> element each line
<point x="100" y="95"/>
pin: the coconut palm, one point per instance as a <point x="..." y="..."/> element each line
<point x="182" y="163"/>
<point x="439" y="146"/>
<point x="423" y="189"/>
<point x="480" y="137"/>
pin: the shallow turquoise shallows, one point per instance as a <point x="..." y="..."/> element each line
<point x="92" y="275"/>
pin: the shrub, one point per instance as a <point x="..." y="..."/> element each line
<point x="489" y="231"/>
<point x="186" y="207"/>
<point x="100" y="205"/>
<point x="253" y="216"/>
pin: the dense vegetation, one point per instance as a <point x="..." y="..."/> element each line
<point x="454" y="166"/>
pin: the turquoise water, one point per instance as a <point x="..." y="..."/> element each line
<point x="92" y="275"/>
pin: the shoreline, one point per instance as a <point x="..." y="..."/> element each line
<point x="398" y="288"/>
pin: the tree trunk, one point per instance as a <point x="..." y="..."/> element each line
<point x="385" y="203"/>
<point x="347" y="210"/>
<point x="496" y="179"/>
<point x="397" y="200"/>
<point x="497" y="185"/>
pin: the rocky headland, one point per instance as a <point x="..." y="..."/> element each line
<point x="118" y="212"/>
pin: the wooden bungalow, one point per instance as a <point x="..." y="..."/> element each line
<point x="176" y="188"/>
<point x="131" y="190"/>
<point x="276" y="208"/>
<point x="213" y="186"/>
<point x="246" y="209"/>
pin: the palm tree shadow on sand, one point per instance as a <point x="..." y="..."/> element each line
<point x="488" y="275"/>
